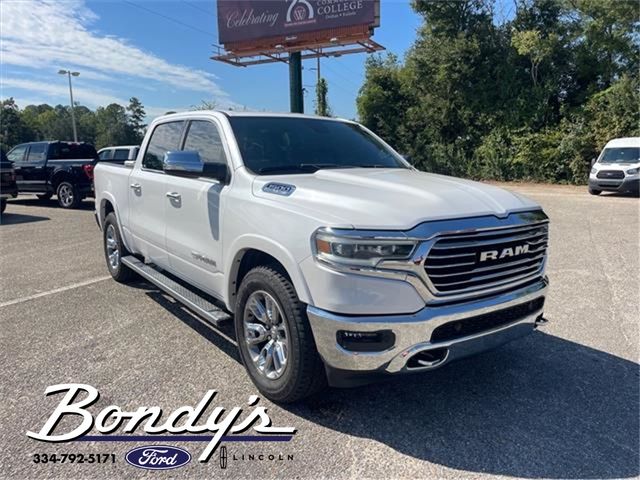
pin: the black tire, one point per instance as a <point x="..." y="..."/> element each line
<point x="68" y="195"/>
<point x="304" y="373"/>
<point x="3" y="205"/>
<point x="593" y="191"/>
<point x="44" y="197"/>
<point x="120" y="273"/>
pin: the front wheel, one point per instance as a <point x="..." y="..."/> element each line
<point x="593" y="191"/>
<point x="114" y="250"/>
<point x="3" y="205"/>
<point x="275" y="339"/>
<point x="68" y="196"/>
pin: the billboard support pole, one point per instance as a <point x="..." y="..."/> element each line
<point x="295" y="82"/>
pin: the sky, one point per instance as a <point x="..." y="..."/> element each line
<point x="159" y="51"/>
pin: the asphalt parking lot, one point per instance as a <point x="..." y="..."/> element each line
<point x="562" y="403"/>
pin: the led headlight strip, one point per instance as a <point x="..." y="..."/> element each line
<point x="352" y="251"/>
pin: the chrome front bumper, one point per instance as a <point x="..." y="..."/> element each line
<point x="413" y="332"/>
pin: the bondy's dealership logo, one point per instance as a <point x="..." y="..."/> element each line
<point x="225" y="424"/>
<point x="158" y="457"/>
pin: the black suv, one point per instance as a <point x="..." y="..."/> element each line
<point x="61" y="168"/>
<point x="8" y="187"/>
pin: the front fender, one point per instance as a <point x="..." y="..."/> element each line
<point x="256" y="242"/>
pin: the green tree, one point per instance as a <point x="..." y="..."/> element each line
<point x="13" y="130"/>
<point x="204" y="105"/>
<point x="322" y="103"/>
<point x="113" y="127"/>
<point x="136" y="114"/>
<point x="533" y="97"/>
<point x="383" y="99"/>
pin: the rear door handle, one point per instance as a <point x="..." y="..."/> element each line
<point x="136" y="186"/>
<point x="174" y="195"/>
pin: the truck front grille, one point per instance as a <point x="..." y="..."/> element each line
<point x="612" y="174"/>
<point x="483" y="260"/>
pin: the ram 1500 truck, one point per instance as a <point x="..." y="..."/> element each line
<point x="64" y="169"/>
<point x="336" y="260"/>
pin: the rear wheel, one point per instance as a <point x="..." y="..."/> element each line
<point x="68" y="196"/>
<point x="593" y="191"/>
<point x="114" y="250"/>
<point x="275" y="339"/>
<point x="3" y="205"/>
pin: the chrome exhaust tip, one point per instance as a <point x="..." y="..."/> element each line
<point x="427" y="359"/>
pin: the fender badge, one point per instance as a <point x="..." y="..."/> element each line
<point x="283" y="189"/>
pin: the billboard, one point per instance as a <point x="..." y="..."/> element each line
<point x="250" y="20"/>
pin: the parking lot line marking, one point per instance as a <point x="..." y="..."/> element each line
<point x="55" y="290"/>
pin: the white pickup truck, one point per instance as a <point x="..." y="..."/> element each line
<point x="336" y="260"/>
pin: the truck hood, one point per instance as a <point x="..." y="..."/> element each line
<point x="390" y="198"/>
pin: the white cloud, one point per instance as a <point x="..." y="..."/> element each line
<point x="56" y="34"/>
<point x="60" y="92"/>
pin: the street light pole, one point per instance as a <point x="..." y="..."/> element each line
<point x="68" y="73"/>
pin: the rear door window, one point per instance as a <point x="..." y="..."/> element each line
<point x="36" y="152"/>
<point x="121" y="154"/>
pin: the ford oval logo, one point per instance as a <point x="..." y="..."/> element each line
<point x="158" y="457"/>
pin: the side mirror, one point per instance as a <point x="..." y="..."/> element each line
<point x="593" y="161"/>
<point x="187" y="163"/>
<point x="129" y="163"/>
<point x="184" y="164"/>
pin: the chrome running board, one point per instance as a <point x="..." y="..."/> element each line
<point x="188" y="297"/>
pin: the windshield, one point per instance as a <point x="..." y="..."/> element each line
<point x="621" y="155"/>
<point x="272" y="145"/>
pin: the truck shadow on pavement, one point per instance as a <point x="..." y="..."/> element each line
<point x="9" y="218"/>
<point x="538" y="407"/>
<point x="28" y="201"/>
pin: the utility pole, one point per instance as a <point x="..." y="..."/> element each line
<point x="295" y="82"/>
<point x="73" y="115"/>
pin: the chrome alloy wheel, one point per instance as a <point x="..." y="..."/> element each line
<point x="113" y="252"/>
<point x="266" y="334"/>
<point x="65" y="194"/>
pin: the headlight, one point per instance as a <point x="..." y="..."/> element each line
<point x="594" y="171"/>
<point x="633" y="171"/>
<point x="333" y="248"/>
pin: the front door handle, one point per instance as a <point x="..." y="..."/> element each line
<point x="174" y="195"/>
<point x="136" y="186"/>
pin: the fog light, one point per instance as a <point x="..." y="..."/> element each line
<point x="366" y="341"/>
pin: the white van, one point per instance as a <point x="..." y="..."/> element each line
<point x="617" y="168"/>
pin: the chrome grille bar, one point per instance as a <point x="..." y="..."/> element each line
<point x="476" y="261"/>
<point x="481" y="243"/>
<point x="486" y="269"/>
